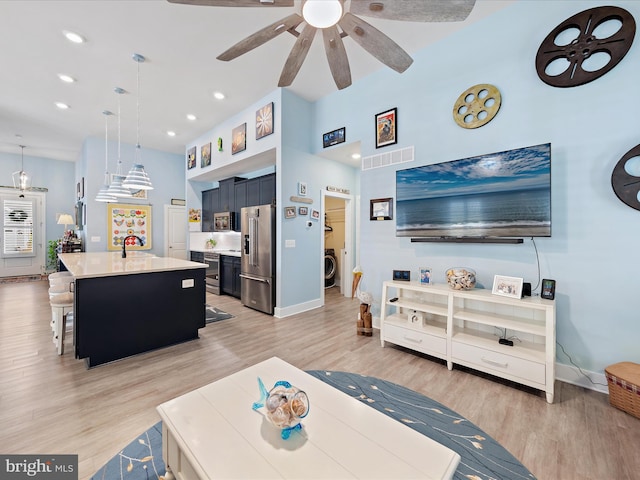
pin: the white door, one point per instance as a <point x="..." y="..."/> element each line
<point x="22" y="249"/>
<point x="175" y="221"/>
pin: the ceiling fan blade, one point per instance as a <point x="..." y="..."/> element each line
<point x="414" y="10"/>
<point x="297" y="56"/>
<point x="375" y="42"/>
<point x="337" y="57"/>
<point x="236" y="3"/>
<point x="261" y="36"/>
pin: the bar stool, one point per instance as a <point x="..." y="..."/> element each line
<point x="61" y="306"/>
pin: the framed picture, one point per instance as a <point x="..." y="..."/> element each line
<point x="303" y="211"/>
<point x="334" y="137"/>
<point x="507" y="286"/>
<point x="302" y="189"/>
<point x="82" y="188"/>
<point x="289" y="212"/>
<point x="205" y="155"/>
<point x="264" y="121"/>
<point x="126" y="219"/>
<point x="425" y="276"/>
<point x="239" y="139"/>
<point x="387" y="128"/>
<point x="78" y="197"/>
<point x="191" y="158"/>
<point x="79" y="211"/>
<point x="315" y="214"/>
<point x="381" y="209"/>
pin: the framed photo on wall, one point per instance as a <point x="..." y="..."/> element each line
<point x="239" y="139"/>
<point x="191" y="158"/>
<point x="507" y="286"/>
<point x="264" y="121"/>
<point x="289" y="212"/>
<point x="381" y="209"/>
<point x="387" y="128"/>
<point x="205" y="155"/>
<point x="334" y="137"/>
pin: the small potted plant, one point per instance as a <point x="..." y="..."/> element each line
<point x="211" y="243"/>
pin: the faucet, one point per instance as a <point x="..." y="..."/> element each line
<point x="124" y="244"/>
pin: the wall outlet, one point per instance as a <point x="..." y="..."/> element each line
<point x="290" y="243"/>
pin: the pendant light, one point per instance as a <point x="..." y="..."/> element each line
<point x="103" y="194"/>
<point x="116" y="189"/>
<point x="21" y="180"/>
<point x="137" y="178"/>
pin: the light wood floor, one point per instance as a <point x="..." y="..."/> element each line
<point x="52" y="404"/>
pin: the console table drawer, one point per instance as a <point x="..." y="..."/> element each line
<point x="490" y="361"/>
<point x="415" y="340"/>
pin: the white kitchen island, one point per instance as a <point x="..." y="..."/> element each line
<point x="126" y="306"/>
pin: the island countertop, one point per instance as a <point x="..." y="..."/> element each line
<point x="105" y="264"/>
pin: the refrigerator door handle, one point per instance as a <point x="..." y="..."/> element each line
<point x="253" y="240"/>
<point x="257" y="279"/>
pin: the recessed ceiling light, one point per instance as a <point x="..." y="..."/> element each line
<point x="191" y="116"/>
<point x="66" y="78"/>
<point x="171" y="133"/>
<point x="218" y="95"/>
<point x="62" y="106"/>
<point x="355" y="156"/>
<point x="74" y="37"/>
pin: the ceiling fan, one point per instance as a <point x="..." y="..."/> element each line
<point x="328" y="15"/>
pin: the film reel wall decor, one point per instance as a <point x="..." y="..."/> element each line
<point x="585" y="46"/>
<point x="477" y="106"/>
<point x="625" y="178"/>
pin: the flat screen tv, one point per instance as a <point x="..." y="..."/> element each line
<point x="498" y="195"/>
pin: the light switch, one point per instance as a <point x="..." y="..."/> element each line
<point x="290" y="243"/>
<point x="95" y="239"/>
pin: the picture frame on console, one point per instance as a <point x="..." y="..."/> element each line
<point x="425" y="276"/>
<point x="507" y="286"/>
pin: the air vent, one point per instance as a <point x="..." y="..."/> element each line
<point x="388" y="158"/>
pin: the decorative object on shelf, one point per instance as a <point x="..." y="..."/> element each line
<point x="415" y="317"/>
<point x="460" y="278"/>
<point x="103" y="194"/>
<point x="302" y="189"/>
<point x="402" y="275"/>
<point x="205" y="155"/>
<point x="125" y="220"/>
<point x="115" y="188"/>
<point x="210" y="243"/>
<point x="66" y="220"/>
<point x="386" y="128"/>
<point x="264" y="121"/>
<point x="625" y="178"/>
<point x="477" y="106"/>
<point x="569" y="55"/>
<point x="381" y="209"/>
<point x="239" y="139"/>
<point x="315" y="214"/>
<point x="303" y="211"/>
<point x="425" y="276"/>
<point x="507" y="286"/>
<point x="137" y="178"/>
<point x="21" y="180"/>
<point x="219" y="144"/>
<point x="285" y="406"/>
<point x="191" y="158"/>
<point x="334" y="137"/>
<point x="548" y="289"/>
<point x="295" y="198"/>
<point x="289" y="212"/>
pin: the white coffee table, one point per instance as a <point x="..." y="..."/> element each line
<point x="212" y="432"/>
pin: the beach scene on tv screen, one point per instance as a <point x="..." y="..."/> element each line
<point x="504" y="194"/>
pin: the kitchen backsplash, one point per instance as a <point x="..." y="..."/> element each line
<point x="226" y="240"/>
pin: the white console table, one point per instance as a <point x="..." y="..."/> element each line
<point x="464" y="326"/>
<point x="212" y="432"/>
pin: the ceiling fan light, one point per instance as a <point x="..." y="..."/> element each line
<point x="322" y="13"/>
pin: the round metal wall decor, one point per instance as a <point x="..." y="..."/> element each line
<point x="477" y="106"/>
<point x="580" y="43"/>
<point x="625" y="178"/>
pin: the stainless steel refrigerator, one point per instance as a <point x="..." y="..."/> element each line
<point x="258" y="267"/>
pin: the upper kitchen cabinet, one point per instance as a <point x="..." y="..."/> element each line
<point x="267" y="190"/>
<point x="210" y="205"/>
<point x="228" y="194"/>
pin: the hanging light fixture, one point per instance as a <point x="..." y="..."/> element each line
<point x="21" y="180"/>
<point x="137" y="178"/>
<point x="116" y="189"/>
<point x="103" y="193"/>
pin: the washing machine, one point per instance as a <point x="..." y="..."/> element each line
<point x="330" y="267"/>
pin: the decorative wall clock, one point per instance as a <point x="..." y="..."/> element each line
<point x="626" y="185"/>
<point x="477" y="106"/>
<point x="587" y="41"/>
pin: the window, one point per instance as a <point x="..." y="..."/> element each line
<point x="17" y="226"/>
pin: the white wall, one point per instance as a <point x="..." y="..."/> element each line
<point x="593" y="249"/>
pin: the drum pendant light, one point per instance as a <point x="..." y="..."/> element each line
<point x="103" y="194"/>
<point x="137" y="178"/>
<point x="116" y="189"/>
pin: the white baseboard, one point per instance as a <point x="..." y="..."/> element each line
<point x="294" y="309"/>
<point x="570" y="374"/>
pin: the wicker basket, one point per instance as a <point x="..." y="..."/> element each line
<point x="623" y="380"/>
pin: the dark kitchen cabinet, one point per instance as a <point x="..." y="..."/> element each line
<point x="267" y="189"/>
<point x="240" y="200"/>
<point x="197" y="256"/>
<point x="230" y="281"/>
<point x="210" y="205"/>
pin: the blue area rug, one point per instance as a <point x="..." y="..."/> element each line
<point x="482" y="457"/>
